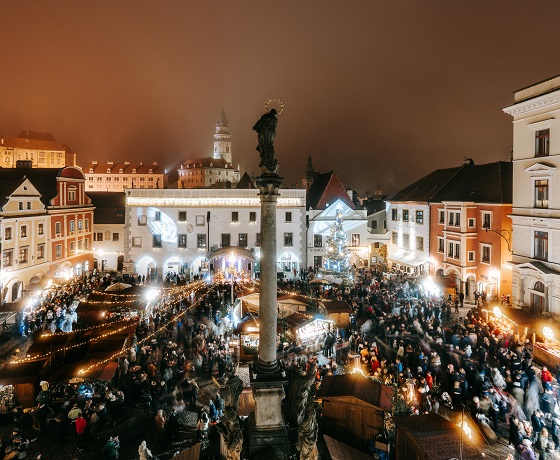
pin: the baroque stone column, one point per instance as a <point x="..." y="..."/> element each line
<point x="269" y="186"/>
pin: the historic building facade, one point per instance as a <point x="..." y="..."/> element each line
<point x="195" y="231"/>
<point x="41" y="149"/>
<point x="46" y="221"/>
<point x="117" y="177"/>
<point x="536" y="196"/>
<point x="207" y="171"/>
<point x="454" y="223"/>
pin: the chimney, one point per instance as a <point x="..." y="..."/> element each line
<point x="94" y="162"/>
<point x="127" y="162"/>
<point x="24" y="164"/>
<point x="109" y="162"/>
<point x="468" y="161"/>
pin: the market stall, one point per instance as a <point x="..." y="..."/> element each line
<point x="23" y="378"/>
<point x="248" y="330"/>
<point x="314" y="331"/>
<point x="337" y="311"/>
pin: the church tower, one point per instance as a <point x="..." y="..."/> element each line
<point x="222" y="139"/>
<point x="309" y="174"/>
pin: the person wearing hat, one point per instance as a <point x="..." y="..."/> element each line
<point x="525" y="450"/>
<point x="74" y="413"/>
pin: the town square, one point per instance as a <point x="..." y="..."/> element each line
<point x="279" y="231"/>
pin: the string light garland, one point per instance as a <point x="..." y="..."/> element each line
<point x="193" y="287"/>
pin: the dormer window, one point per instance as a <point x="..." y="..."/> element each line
<point x="211" y="165"/>
<point x="121" y="171"/>
<point x="134" y="171"/>
<point x="108" y="170"/>
<point x="90" y="170"/>
<point x="151" y="171"/>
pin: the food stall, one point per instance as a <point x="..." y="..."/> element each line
<point x="337" y="311"/>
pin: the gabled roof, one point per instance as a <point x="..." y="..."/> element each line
<point x="358" y="386"/>
<point x="7" y="187"/>
<point x="245" y="182"/>
<point x="109" y="207"/>
<point x="487" y="183"/>
<point x="326" y="189"/>
<point x="44" y="180"/>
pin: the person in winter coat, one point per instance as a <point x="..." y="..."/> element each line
<point x="81" y="426"/>
<point x="111" y="449"/>
<point x="202" y="425"/>
<point x="143" y="452"/>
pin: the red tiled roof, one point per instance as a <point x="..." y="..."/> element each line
<point x="326" y="189"/>
<point x="206" y="162"/>
<point x="31" y="144"/>
<point x="101" y="168"/>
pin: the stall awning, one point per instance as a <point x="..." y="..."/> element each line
<point x="408" y="259"/>
<point x="26" y="372"/>
<point x="251" y="302"/>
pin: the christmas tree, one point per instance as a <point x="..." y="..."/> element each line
<point x="338" y="255"/>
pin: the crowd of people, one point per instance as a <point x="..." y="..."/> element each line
<point x="400" y="334"/>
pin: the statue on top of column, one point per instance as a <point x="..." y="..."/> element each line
<point x="266" y="133"/>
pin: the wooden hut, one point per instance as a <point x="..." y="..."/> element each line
<point x="354" y="407"/>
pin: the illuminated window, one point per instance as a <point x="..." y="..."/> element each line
<point x="8" y="258"/>
<point x="98" y="236"/>
<point x="182" y="241"/>
<point x="201" y="241"/>
<point x="58" y="251"/>
<point x="40" y="251"/>
<point x="115" y="236"/>
<point x="23" y="231"/>
<point x="72" y="225"/>
<point x="355" y="239"/>
<point x="58" y="228"/>
<point x="419" y="217"/>
<point x="80" y="223"/>
<point x="8" y="233"/>
<point x="541" y="193"/>
<point x="72" y="247"/>
<point x="242" y="240"/>
<point x="87" y="224"/>
<point x="23" y="255"/>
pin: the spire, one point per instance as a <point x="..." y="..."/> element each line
<point x="222" y="123"/>
<point x="309" y="169"/>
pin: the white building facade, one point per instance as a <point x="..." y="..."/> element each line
<point x="355" y="224"/>
<point x="183" y="231"/>
<point x="536" y="197"/>
<point x="408" y="227"/>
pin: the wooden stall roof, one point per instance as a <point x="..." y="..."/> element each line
<point x="27" y="372"/>
<point x="336" y="306"/>
<point x="104" y="371"/>
<point x="43" y="344"/>
<point x="341" y="451"/>
<point x="250" y="321"/>
<point x="358" y="386"/>
<point x="436" y="438"/>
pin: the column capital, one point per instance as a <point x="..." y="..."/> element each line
<point x="269" y="185"/>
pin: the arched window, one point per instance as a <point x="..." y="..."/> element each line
<point x="539" y="286"/>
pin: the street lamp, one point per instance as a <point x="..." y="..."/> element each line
<point x="231" y="271"/>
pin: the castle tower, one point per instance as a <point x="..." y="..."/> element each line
<point x="222" y="139"/>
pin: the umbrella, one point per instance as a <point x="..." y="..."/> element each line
<point x="118" y="287"/>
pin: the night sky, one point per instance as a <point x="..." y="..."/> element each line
<point x="378" y="91"/>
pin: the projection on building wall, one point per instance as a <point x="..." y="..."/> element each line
<point x="160" y="223"/>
